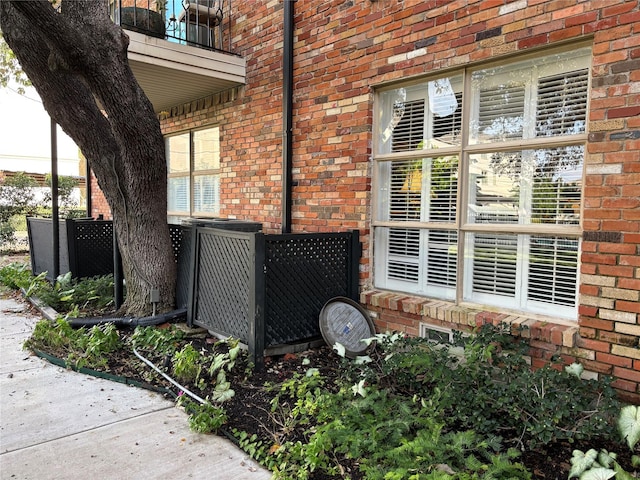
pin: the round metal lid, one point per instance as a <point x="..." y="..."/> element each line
<point x="344" y="321"/>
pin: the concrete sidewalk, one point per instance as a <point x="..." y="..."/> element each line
<point x="59" y="424"/>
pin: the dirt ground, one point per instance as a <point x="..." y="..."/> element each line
<point x="10" y="257"/>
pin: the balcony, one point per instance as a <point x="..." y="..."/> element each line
<point x="180" y="50"/>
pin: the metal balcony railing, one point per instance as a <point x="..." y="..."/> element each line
<point x="199" y="23"/>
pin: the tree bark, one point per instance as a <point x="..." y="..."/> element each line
<point x="76" y="58"/>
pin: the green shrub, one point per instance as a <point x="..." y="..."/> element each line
<point x="188" y="364"/>
<point x="388" y="436"/>
<point x="205" y="417"/>
<point x="160" y="340"/>
<point x="67" y="294"/>
<point x="66" y="186"/>
<point x="16" y="276"/>
<point x="83" y="348"/>
<point x="416" y="409"/>
<point x="485" y="384"/>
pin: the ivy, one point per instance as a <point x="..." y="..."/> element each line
<point x="414" y="409"/>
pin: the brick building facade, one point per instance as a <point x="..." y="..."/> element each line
<point x="347" y="54"/>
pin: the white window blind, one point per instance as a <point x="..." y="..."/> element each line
<point x="206" y="194"/>
<point x="562" y="103"/>
<point x="530" y="186"/>
<point x="178" y="194"/>
<point x="442" y="258"/>
<point x="501" y="112"/>
<point x="409" y="133"/>
<point x="442" y="188"/>
<point x="421" y="116"/>
<point x="495" y="264"/>
<point x="424" y="261"/>
<point x="537" y="271"/>
<point x="447" y="127"/>
<point x="193" y="182"/>
<point x="404" y="254"/>
<point x="405" y="190"/>
<point x="557" y="185"/>
<point x="178" y="186"/>
<point x="553" y="267"/>
<point x="428" y="185"/>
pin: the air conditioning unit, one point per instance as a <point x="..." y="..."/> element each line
<point x="199" y="34"/>
<point x="212" y="4"/>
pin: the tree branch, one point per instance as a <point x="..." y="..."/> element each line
<point x="59" y="88"/>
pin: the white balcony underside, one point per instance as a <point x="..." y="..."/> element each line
<point x="172" y="74"/>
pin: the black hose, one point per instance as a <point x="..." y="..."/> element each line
<point x="130" y="321"/>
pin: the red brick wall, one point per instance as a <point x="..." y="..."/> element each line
<point x="345" y="48"/>
<point x="99" y="205"/>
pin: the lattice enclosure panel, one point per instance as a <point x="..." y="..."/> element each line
<point x="40" y="232"/>
<point x="90" y="247"/>
<point x="175" y="232"/>
<point x="303" y="272"/>
<point x="223" y="283"/>
<point x="181" y="241"/>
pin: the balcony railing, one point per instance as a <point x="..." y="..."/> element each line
<point x="199" y="23"/>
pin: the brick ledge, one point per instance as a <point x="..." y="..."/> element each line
<point x="549" y="330"/>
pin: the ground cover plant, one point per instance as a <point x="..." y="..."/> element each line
<point x="409" y="409"/>
<point x="72" y="297"/>
<point x="595" y="465"/>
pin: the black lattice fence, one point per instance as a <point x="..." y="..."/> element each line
<point x="181" y="241"/>
<point x="90" y="247"/>
<point x="85" y="247"/>
<point x="40" y="232"/>
<point x="181" y="237"/>
<point x="223" y="277"/>
<point x="268" y="290"/>
<point x="302" y="273"/>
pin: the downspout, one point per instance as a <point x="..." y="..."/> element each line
<point x="287" y="121"/>
<point x="55" y="215"/>
<point x="87" y="182"/>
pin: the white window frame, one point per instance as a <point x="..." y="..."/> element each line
<point x="193" y="174"/>
<point x="523" y="230"/>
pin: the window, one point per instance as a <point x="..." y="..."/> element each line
<point x="193" y="160"/>
<point x="479" y="184"/>
<point x="437" y="334"/>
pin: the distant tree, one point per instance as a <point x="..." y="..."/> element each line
<point x="17" y="197"/>
<point x="76" y="58"/>
<point x="66" y="186"/>
<point x="10" y="71"/>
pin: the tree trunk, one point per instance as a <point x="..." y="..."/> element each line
<point x="76" y="58"/>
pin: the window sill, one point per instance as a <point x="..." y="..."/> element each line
<point x="558" y="332"/>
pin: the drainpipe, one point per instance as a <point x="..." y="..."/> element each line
<point x="55" y="216"/>
<point x="87" y="183"/>
<point x="287" y="121"/>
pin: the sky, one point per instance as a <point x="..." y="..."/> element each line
<point x="25" y="136"/>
